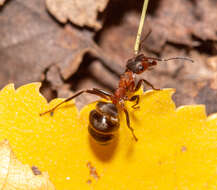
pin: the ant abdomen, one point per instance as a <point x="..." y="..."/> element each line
<point x="104" y="122"/>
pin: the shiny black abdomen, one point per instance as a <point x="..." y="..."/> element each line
<point x="104" y="122"/>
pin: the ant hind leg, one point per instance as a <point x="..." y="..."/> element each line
<point x="98" y="92"/>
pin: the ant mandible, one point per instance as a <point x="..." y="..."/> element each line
<point x="104" y="119"/>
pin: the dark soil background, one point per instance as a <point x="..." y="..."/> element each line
<point x="71" y="45"/>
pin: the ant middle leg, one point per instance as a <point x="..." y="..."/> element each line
<point x="135" y="98"/>
<point x="128" y="123"/>
<point x="139" y="84"/>
<point x="98" y="92"/>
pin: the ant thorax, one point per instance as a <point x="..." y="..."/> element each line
<point x="126" y="85"/>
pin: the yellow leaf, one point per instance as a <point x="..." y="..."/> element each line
<point x="177" y="148"/>
<point x="16" y="176"/>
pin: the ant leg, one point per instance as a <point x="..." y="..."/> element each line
<point x="139" y="84"/>
<point x="101" y="93"/>
<point x="128" y="123"/>
<point x="133" y="98"/>
<point x="98" y="92"/>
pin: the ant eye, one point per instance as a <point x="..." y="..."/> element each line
<point x="141" y="68"/>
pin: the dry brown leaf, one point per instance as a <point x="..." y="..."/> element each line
<point x="212" y="63"/>
<point x="37" y="43"/>
<point x="81" y="13"/>
<point x="177" y="21"/>
<point x="207" y="96"/>
<point x="2" y="2"/>
<point x="118" y="41"/>
<point x="14" y="175"/>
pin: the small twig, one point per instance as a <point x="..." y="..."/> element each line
<point x="139" y="33"/>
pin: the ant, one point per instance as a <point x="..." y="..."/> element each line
<point x="104" y="120"/>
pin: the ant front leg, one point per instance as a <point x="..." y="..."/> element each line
<point x="139" y="84"/>
<point x="98" y="92"/>
<point x="128" y="123"/>
<point x="135" y="98"/>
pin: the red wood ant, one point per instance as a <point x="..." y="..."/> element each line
<point x="104" y="120"/>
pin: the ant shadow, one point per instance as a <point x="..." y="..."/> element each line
<point x="101" y="151"/>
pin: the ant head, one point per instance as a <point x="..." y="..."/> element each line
<point x="139" y="64"/>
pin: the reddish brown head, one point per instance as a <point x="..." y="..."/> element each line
<point x="140" y="63"/>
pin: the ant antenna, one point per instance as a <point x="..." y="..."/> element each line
<point x="141" y="44"/>
<point x="137" y="43"/>
<point x="159" y="59"/>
